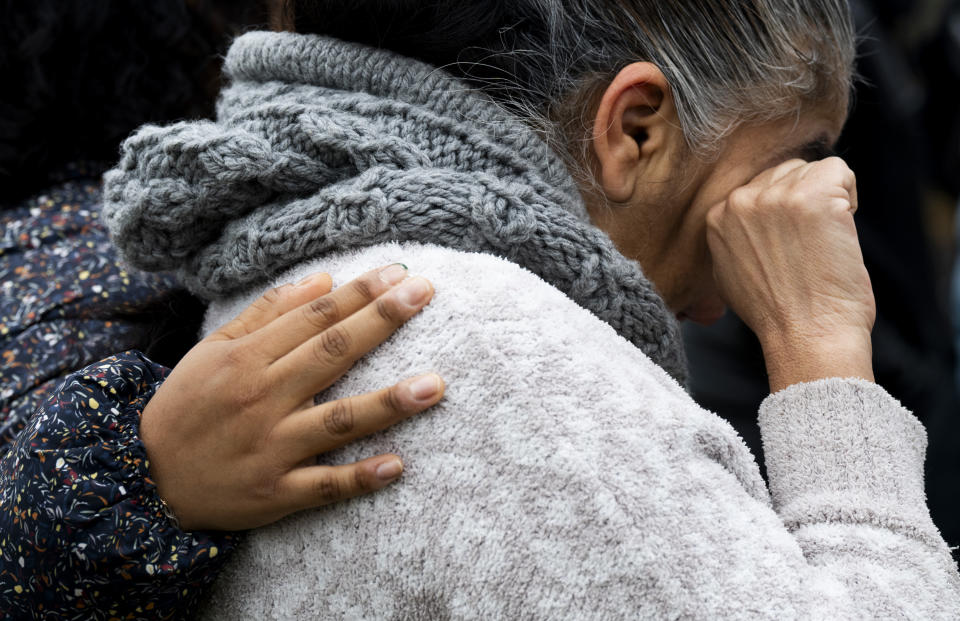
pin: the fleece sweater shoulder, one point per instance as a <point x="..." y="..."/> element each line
<point x="565" y="475"/>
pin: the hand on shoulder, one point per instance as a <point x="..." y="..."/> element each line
<point x="232" y="434"/>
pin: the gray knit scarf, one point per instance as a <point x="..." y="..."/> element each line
<point x="322" y="145"/>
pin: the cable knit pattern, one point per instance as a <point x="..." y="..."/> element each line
<point x="324" y="145"/>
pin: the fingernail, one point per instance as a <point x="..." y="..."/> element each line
<point x="413" y="292"/>
<point x="392" y="274"/>
<point x="425" y="387"/>
<point x="389" y="470"/>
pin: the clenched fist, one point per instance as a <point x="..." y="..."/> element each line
<point x="787" y="260"/>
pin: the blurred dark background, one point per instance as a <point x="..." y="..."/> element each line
<point x="80" y="76"/>
<point x="903" y="142"/>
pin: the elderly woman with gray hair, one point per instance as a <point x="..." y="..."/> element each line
<point x="572" y="178"/>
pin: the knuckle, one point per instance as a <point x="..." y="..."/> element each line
<point x="714" y="218"/>
<point x="340" y="419"/>
<point x="741" y="198"/>
<point x="391" y="401"/>
<point x="323" y="312"/>
<point x="333" y="343"/>
<point x="365" y="287"/>
<point x="327" y="488"/>
<point x="834" y="162"/>
<point x="839" y="207"/>
<point x="361" y="479"/>
<point x="237" y="358"/>
<point x="250" y="393"/>
<point x="796" y="206"/>
<point x="791" y="164"/>
<point x="775" y="196"/>
<point x="261" y="305"/>
<point x="266" y="486"/>
<point x="804" y="199"/>
<point x="389" y="310"/>
<point x="272" y="296"/>
<point x="833" y="168"/>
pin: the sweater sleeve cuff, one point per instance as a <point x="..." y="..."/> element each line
<point x="845" y="451"/>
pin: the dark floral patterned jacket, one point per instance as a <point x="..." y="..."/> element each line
<point x="82" y="531"/>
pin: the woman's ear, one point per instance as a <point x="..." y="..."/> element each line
<point x="631" y="129"/>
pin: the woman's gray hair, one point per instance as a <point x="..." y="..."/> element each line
<point x="728" y="62"/>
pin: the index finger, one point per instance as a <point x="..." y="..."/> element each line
<point x="314" y="316"/>
<point x="272" y="304"/>
<point x="321" y="360"/>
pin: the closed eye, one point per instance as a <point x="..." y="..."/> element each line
<point x="815" y="150"/>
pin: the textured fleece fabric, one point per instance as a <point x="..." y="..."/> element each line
<point x="564" y="475"/>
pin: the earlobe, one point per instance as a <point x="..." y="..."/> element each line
<point x="628" y="129"/>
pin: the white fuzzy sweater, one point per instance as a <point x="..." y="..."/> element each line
<point x="564" y="475"/>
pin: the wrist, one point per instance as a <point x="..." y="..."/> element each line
<point x="794" y="357"/>
<point x="153" y="446"/>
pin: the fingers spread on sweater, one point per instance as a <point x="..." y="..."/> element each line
<point x="318" y="314"/>
<point x="273" y="304"/>
<point x="331" y="425"/>
<point x="321" y="360"/>
<point x="314" y="486"/>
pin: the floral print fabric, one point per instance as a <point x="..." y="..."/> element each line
<point x="82" y="531"/>
<point x="65" y="300"/>
<point x="84" y="535"/>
